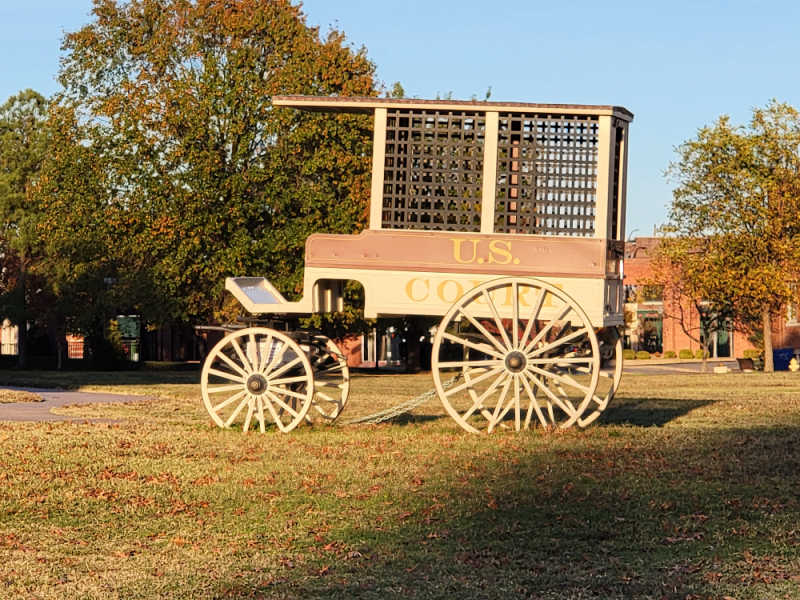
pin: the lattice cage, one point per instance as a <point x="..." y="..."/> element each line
<point x="433" y="170"/>
<point x="546" y="174"/>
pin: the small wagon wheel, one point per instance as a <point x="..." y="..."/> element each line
<point x="257" y="375"/>
<point x="527" y="352"/>
<point x="331" y="380"/>
<point x="610" y="342"/>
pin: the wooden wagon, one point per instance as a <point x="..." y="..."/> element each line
<point x="503" y="223"/>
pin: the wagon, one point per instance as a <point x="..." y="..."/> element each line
<point x="502" y="223"/>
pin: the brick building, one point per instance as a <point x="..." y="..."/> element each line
<point x="651" y="325"/>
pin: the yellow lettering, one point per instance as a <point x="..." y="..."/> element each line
<point x="500" y="252"/>
<point x="441" y="291"/>
<point x="423" y="293"/>
<point x="457" y="251"/>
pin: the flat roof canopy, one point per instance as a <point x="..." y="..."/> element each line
<point x="368" y="104"/>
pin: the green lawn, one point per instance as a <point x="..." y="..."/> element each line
<point x="687" y="488"/>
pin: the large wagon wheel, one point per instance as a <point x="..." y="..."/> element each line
<point x="331" y="380"/>
<point x="257" y="375"/>
<point x="526" y="351"/>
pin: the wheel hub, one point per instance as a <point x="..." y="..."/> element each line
<point x="256" y="384"/>
<point x="516" y="361"/>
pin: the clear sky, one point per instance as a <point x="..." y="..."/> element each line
<point x="676" y="65"/>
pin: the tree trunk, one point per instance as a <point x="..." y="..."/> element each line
<point x="766" y="316"/>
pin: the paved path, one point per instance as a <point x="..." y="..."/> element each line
<point x="40" y="411"/>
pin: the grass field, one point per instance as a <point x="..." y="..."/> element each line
<point x="687" y="488"/>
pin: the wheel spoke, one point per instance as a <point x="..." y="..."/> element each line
<point x="275" y="417"/>
<point x="572" y="413"/>
<point x="485" y="348"/>
<point x="288" y="380"/>
<point x="236" y="412"/>
<point x="287" y="392"/>
<point x="539" y="336"/>
<point x="232" y="364"/>
<point x="513" y="402"/>
<point x="537" y="306"/>
<point x="470" y="363"/>
<point x="559" y="342"/>
<point x="565" y="379"/>
<point x="249" y="416"/>
<point x="515" y="315"/>
<point x="283" y="405"/>
<point x="497" y="320"/>
<point x="260" y="415"/>
<point x="533" y="405"/>
<point x="245" y="361"/>
<point x="252" y="350"/>
<point x="478" y="379"/>
<point x="484" y="332"/>
<point x="228" y="402"/>
<point x="224" y="375"/>
<point x="223" y="388"/>
<point x="284" y="368"/>
<point x="499" y="405"/>
<point x="559" y="360"/>
<point x="276" y="359"/>
<point x="265" y="355"/>
<point x="478" y="400"/>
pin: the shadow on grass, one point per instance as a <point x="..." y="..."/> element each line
<point x="649" y="412"/>
<point x="701" y="515"/>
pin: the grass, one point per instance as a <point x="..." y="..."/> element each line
<point x="686" y="489"/>
<point x="10" y="396"/>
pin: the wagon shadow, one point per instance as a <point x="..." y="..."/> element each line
<point x="649" y="412"/>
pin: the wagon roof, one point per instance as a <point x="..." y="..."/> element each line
<point x="368" y="104"/>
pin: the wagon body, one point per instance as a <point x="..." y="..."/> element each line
<point x="505" y="220"/>
<point x="465" y="191"/>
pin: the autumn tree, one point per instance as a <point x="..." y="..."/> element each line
<point x="206" y="178"/>
<point x="736" y="212"/>
<point x="23" y="146"/>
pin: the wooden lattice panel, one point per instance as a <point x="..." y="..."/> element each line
<point x="433" y="170"/>
<point x="546" y="174"/>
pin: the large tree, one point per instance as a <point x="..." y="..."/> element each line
<point x="736" y="205"/>
<point x="23" y="146"/>
<point x="207" y="179"/>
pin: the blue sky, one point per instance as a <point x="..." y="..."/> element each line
<point x="676" y="65"/>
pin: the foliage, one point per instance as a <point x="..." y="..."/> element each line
<point x="736" y="215"/>
<point x="685" y="353"/>
<point x="752" y="353"/>
<point x="23" y="146"/>
<point x="628" y="354"/>
<point x="213" y="180"/>
<point x="642" y="355"/>
<point x="670" y="354"/>
<point x="701" y="353"/>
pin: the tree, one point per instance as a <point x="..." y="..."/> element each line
<point x="207" y="178"/>
<point x="23" y="143"/>
<point x="736" y="205"/>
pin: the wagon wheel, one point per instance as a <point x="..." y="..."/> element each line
<point x="610" y="342"/>
<point x="527" y="352"/>
<point x="257" y="375"/>
<point x="331" y="381"/>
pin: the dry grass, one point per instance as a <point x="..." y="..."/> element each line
<point x="11" y="396"/>
<point x="686" y="489"/>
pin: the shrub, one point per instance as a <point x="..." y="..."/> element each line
<point x="700" y="353"/>
<point x="685" y="353"/>
<point x="642" y="355"/>
<point x="752" y="353"/>
<point x="670" y="354"/>
<point x="628" y="355"/>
